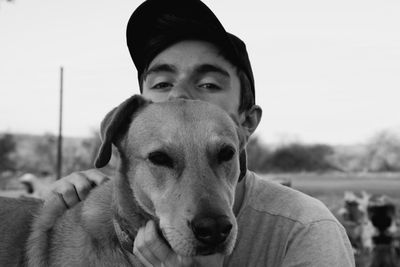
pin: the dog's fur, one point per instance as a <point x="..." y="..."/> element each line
<point x="354" y="217"/>
<point x="36" y="187"/>
<point x="196" y="178"/>
<point x="16" y="216"/>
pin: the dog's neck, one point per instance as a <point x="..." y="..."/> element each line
<point x="128" y="215"/>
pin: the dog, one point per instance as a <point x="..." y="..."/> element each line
<point x="179" y="166"/>
<point x="382" y="214"/>
<point x="354" y="217"/>
<point x="36" y="186"/>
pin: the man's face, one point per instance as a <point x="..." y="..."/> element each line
<point x="193" y="70"/>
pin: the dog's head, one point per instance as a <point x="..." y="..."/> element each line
<point x="355" y="206"/>
<point x="181" y="159"/>
<point x="382" y="214"/>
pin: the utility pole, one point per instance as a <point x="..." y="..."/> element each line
<point x="59" y="143"/>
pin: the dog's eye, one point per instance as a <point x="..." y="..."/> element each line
<point x="226" y="154"/>
<point x="161" y="158"/>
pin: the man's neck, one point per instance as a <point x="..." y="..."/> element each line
<point x="239" y="196"/>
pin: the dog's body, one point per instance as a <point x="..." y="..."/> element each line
<point x="16" y="216"/>
<point x="81" y="236"/>
<point x="179" y="165"/>
<point x="354" y="217"/>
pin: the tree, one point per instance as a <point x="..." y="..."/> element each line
<point x="297" y="157"/>
<point x="257" y="156"/>
<point x="383" y="152"/>
<point x="80" y="155"/>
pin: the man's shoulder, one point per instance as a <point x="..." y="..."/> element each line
<point x="280" y="226"/>
<point x="269" y="198"/>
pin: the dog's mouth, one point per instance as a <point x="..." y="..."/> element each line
<point x="185" y="244"/>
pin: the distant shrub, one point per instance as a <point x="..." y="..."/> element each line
<point x="383" y="153"/>
<point x="38" y="154"/>
<point x="257" y="156"/>
<point x="298" y="157"/>
<point x="7" y="148"/>
<point x="289" y="158"/>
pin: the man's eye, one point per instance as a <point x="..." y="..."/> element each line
<point x="210" y="86"/>
<point x="161" y="85"/>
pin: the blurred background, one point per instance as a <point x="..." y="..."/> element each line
<point x="326" y="74"/>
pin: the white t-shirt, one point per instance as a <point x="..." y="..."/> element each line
<point x="280" y="226"/>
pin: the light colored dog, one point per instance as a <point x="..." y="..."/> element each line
<point x="37" y="187"/>
<point x="179" y="165"/>
<point x="354" y="217"/>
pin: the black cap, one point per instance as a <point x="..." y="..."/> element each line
<point x="157" y="24"/>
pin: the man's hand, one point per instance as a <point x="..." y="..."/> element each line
<point x="151" y="250"/>
<point x="76" y="186"/>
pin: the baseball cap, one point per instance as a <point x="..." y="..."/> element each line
<point x="157" y="24"/>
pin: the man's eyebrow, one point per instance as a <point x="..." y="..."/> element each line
<point x="206" y="68"/>
<point x="160" y="68"/>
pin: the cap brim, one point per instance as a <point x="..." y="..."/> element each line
<point x="149" y="21"/>
<point x="157" y="24"/>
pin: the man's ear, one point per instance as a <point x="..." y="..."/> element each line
<point x="248" y="123"/>
<point x="249" y="120"/>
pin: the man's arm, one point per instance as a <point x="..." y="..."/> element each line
<point x="319" y="244"/>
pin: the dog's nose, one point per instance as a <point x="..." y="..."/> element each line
<point x="211" y="231"/>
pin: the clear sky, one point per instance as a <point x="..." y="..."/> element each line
<point x="325" y="71"/>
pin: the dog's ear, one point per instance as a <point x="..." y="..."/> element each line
<point x="115" y="123"/>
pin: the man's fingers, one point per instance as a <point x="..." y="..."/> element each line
<point x="68" y="193"/>
<point x="56" y="203"/>
<point x="76" y="186"/>
<point x="152" y="250"/>
<point x="142" y="252"/>
<point x="95" y="176"/>
<point x="158" y="246"/>
<point x="82" y="186"/>
<point x="66" y="189"/>
<point x="156" y="243"/>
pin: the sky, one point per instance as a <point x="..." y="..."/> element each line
<point x="325" y="71"/>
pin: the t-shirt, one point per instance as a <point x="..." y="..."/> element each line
<point x="280" y="226"/>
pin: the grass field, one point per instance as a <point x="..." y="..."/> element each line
<point x="330" y="188"/>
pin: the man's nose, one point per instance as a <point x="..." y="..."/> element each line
<point x="182" y="91"/>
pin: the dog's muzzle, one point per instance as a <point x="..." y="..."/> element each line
<point x="211" y="231"/>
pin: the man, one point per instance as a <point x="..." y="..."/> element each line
<point x="181" y="50"/>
